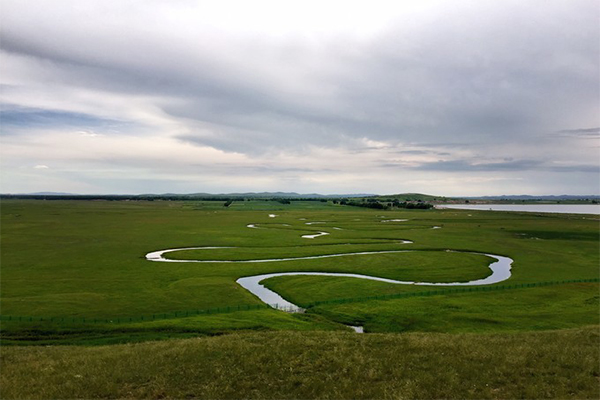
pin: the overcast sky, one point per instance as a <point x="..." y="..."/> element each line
<point x="439" y="97"/>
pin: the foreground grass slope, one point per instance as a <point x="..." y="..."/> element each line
<point x="290" y="365"/>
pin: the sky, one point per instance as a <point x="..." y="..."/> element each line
<point x="460" y="98"/>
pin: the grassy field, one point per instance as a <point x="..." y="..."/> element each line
<point x="69" y="260"/>
<point x="83" y="259"/>
<point x="327" y="365"/>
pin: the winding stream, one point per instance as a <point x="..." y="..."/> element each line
<point x="500" y="272"/>
<point x="315" y="235"/>
<point x="500" y="269"/>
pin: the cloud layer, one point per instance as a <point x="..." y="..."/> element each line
<point x="461" y="98"/>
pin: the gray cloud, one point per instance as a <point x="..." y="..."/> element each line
<point x="462" y="165"/>
<point x="423" y="88"/>
<point x="516" y="165"/>
<point x="584" y="133"/>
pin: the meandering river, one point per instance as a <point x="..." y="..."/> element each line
<point x="500" y="269"/>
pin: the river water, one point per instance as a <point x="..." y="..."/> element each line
<point x="500" y="269"/>
<point x="500" y="272"/>
<point x="545" y="208"/>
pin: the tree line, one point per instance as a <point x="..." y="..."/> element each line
<point x="228" y="200"/>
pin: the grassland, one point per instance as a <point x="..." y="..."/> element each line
<point x="327" y="365"/>
<point x="86" y="259"/>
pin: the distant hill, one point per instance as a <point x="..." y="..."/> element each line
<point x="186" y="196"/>
<point x="289" y="195"/>
<point x="402" y="197"/>
<point x="50" y="194"/>
<point x="412" y="197"/>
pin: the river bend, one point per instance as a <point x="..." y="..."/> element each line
<point x="500" y="269"/>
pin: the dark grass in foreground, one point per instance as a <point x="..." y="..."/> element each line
<point x="548" y="364"/>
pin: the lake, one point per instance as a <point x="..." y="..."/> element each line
<point x="546" y="208"/>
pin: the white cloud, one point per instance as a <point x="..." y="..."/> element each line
<point x="304" y="96"/>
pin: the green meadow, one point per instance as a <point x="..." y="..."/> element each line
<point x="327" y="365"/>
<point x="75" y="273"/>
